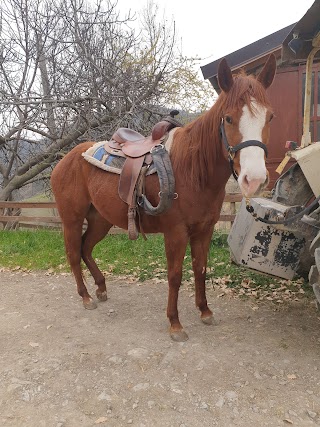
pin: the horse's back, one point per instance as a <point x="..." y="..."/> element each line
<point x="70" y="160"/>
<point x="77" y="185"/>
<point x="68" y="180"/>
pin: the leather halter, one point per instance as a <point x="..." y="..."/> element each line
<point x="233" y="150"/>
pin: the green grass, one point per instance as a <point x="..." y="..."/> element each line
<point x="116" y="254"/>
<point x="36" y="250"/>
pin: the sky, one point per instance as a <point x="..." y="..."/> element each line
<point x="211" y="29"/>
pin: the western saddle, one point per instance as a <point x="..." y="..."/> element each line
<point x="137" y="150"/>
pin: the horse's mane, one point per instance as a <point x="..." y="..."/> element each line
<point x="197" y="146"/>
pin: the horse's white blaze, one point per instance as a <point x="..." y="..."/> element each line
<point x="253" y="168"/>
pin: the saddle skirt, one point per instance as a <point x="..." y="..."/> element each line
<point x="112" y="160"/>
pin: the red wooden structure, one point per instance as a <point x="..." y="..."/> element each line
<point x="287" y="91"/>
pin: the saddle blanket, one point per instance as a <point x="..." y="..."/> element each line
<point x="98" y="156"/>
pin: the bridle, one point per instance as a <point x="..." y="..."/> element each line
<point x="231" y="154"/>
<point x="233" y="150"/>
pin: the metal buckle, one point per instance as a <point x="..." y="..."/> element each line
<point x="155" y="146"/>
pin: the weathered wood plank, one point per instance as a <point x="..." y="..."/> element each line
<point x="33" y="205"/>
<point x="23" y="218"/>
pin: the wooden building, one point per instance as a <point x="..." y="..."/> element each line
<point x="287" y="91"/>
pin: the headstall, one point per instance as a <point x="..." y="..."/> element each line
<point x="233" y="150"/>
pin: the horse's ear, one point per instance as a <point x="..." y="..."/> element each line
<point x="268" y="72"/>
<point x="225" y="78"/>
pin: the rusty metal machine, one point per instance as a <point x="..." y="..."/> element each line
<point x="282" y="237"/>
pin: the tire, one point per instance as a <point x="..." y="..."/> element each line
<point x="314" y="274"/>
<point x="292" y="188"/>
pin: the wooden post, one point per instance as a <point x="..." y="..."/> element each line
<point x="233" y="210"/>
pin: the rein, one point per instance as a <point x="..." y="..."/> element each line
<point x="233" y="150"/>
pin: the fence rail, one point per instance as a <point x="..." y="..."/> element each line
<point x="19" y="218"/>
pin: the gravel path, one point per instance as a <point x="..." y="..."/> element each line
<point x="63" y="366"/>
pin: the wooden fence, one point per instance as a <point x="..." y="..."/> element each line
<point x="13" y="213"/>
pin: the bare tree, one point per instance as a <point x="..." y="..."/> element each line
<point x="70" y="71"/>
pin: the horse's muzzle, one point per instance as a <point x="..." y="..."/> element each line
<point x="252" y="187"/>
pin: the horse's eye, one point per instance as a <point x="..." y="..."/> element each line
<point x="271" y="117"/>
<point x="229" y="120"/>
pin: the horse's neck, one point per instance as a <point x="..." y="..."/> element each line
<point x="199" y="161"/>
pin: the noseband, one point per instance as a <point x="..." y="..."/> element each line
<point x="233" y="150"/>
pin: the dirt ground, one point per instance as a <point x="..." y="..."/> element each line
<point x="64" y="366"/>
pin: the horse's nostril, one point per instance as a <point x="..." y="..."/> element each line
<point x="246" y="180"/>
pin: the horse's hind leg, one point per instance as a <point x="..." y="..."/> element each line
<point x="97" y="229"/>
<point x="200" y="242"/>
<point x="72" y="237"/>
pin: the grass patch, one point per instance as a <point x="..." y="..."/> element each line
<point x="34" y="250"/>
<point x="116" y="254"/>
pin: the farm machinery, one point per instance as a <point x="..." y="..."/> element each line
<point x="280" y="234"/>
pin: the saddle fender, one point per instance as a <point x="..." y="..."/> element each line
<point x="162" y="163"/>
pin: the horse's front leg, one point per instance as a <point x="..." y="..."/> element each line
<point x="175" y="244"/>
<point x="200" y="243"/>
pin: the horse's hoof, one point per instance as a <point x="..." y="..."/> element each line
<point x="90" y="304"/>
<point x="207" y="320"/>
<point x="102" y="296"/>
<point x="179" y="336"/>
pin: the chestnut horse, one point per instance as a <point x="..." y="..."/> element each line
<point x="235" y="130"/>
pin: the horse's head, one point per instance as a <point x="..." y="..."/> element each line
<point x="245" y="124"/>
